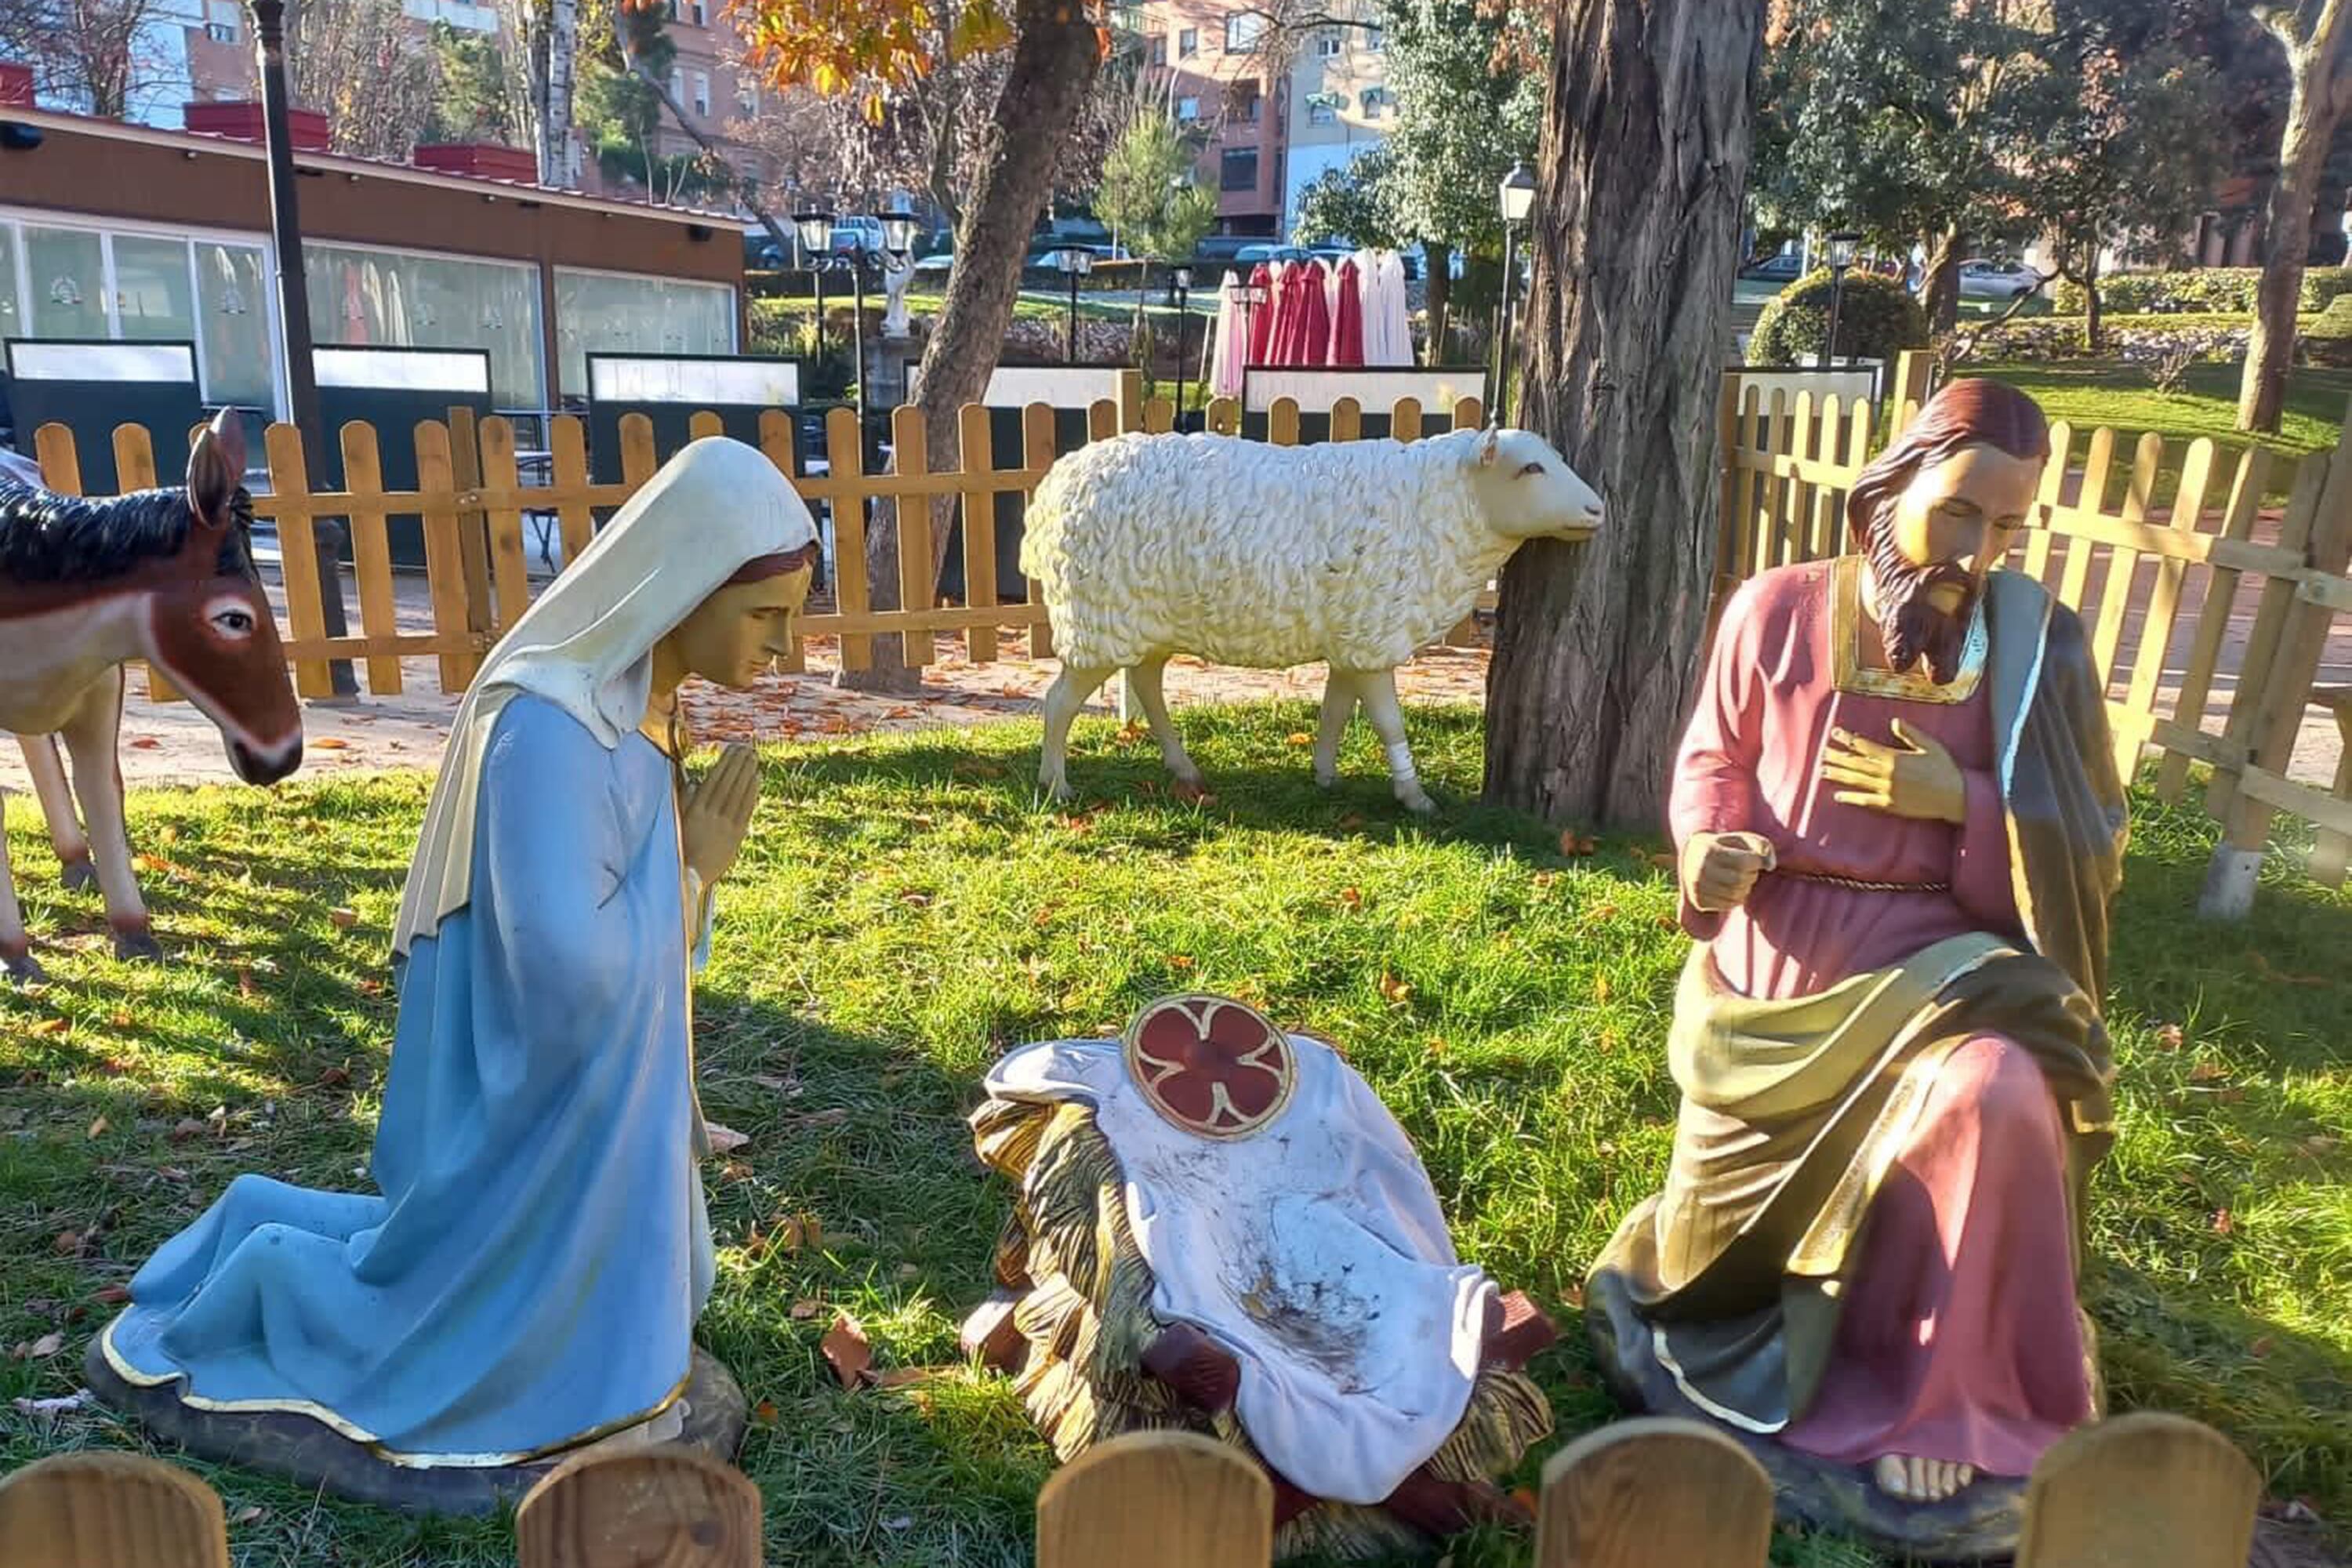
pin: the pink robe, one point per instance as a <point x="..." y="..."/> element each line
<point x="1958" y="1338"/>
<point x="1348" y="317"/>
<point x="1262" y="321"/>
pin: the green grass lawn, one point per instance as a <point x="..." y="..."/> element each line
<point x="2091" y="392"/>
<point x="906" y="910"/>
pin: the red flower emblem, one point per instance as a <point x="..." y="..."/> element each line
<point x="1211" y="1067"/>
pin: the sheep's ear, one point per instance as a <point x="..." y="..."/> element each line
<point x="1490" y="448"/>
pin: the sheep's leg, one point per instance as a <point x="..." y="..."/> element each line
<point x="92" y="735"/>
<point x="1064" y="700"/>
<point x="1380" y="706"/>
<point x="1144" y="681"/>
<point x="48" y="771"/>
<point x="1339" y="697"/>
<point x="16" y="961"/>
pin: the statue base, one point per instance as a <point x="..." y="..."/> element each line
<point x="311" y="1453"/>
<point x="1980" y="1524"/>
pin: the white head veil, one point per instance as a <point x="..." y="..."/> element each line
<point x="586" y="644"/>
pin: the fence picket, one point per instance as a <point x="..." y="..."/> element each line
<point x="1223" y="418"/>
<point x="371" y="553"/>
<point x="59" y="459"/>
<point x="638" y="457"/>
<point x="567" y="463"/>
<point x="2241" y="733"/>
<point x="912" y="454"/>
<point x="702" y="425"/>
<point x="473" y="528"/>
<point x="1405" y="419"/>
<point x="2155" y="644"/>
<point x="444" y="571"/>
<point x="2123" y="564"/>
<point x="670" y="1506"/>
<point x="1157" y="1500"/>
<point x="134" y="470"/>
<point x="776" y="444"/>
<point x="1790" y="528"/>
<point x="2141" y="1489"/>
<point x="845" y="448"/>
<point x="298" y="557"/>
<point x="1778" y="435"/>
<point x="2213" y="618"/>
<point x="77" y="1510"/>
<point x="980" y="587"/>
<point x="1654" y="1492"/>
<point x="2091" y="499"/>
<point x="510" y="569"/>
<point x="1102" y="420"/>
<point x="1282" y="422"/>
<point x="1346" y="420"/>
<point x="2044" y="530"/>
<point x="1159" y="416"/>
<point x="1037" y="453"/>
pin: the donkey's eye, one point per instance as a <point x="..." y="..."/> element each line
<point x="1531" y="471"/>
<point x="235" y="623"/>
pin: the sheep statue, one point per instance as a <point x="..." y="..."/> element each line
<point x="1357" y="553"/>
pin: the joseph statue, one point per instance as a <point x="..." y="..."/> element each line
<point x="1899" y="827"/>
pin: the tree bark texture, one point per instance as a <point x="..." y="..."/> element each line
<point x="1438" y="258"/>
<point x="1055" y="54"/>
<point x="1636" y="237"/>
<point x="1940" y="294"/>
<point x="2314" y="106"/>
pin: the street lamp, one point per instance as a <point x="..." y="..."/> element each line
<point x="898" y="227"/>
<point x="1183" y="317"/>
<point x="294" y="308"/>
<point x="1842" y="247"/>
<point x="813" y="227"/>
<point x="1076" y="262"/>
<point x="1515" y="199"/>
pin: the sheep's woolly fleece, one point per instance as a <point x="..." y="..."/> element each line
<point x="1353" y="552"/>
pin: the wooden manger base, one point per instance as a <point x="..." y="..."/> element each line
<point x="1980" y="1524"/>
<point x="308" y="1452"/>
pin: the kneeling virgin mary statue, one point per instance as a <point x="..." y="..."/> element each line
<point x="526" y="1278"/>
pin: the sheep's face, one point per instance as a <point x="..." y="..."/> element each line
<point x="1526" y="491"/>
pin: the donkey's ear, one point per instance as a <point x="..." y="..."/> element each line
<point x="217" y="469"/>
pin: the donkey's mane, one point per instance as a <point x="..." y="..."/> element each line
<point x="49" y="537"/>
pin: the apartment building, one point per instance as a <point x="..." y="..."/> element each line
<point x="1340" y="97"/>
<point x="1207" y="55"/>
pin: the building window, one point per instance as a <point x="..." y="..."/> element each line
<point x="603" y="312"/>
<point x="1238" y="170"/>
<point x="678" y="84"/>
<point x="1188" y="43"/>
<point x="1376" y="40"/>
<point x="1188" y="110"/>
<point x="1159" y="48"/>
<point x="223" y="20"/>
<point x="1375" y="102"/>
<point x="702" y="93"/>
<point x="699" y="12"/>
<point x="363" y="297"/>
<point x="1243" y="30"/>
<point x="1320" y="114"/>
<point x="746" y="95"/>
<point x="1327" y="44"/>
<point x="1242" y="102"/>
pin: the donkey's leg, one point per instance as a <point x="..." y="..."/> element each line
<point x="16" y="948"/>
<point x="1064" y="700"/>
<point x="1380" y="706"/>
<point x="1338" y="706"/>
<point x="90" y="737"/>
<point x="1145" y="681"/>
<point x="48" y="771"/>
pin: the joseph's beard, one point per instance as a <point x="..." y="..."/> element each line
<point x="1910" y="623"/>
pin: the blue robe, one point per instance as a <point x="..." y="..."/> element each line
<point x="530" y="1274"/>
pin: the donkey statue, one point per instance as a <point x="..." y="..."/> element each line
<point x="85" y="586"/>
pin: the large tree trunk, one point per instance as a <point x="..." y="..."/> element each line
<point x="1939" y="296"/>
<point x="1636" y="237"/>
<point x="1438" y="257"/>
<point x="2313" y="110"/>
<point x="1054" y="57"/>
<point x="555" y="139"/>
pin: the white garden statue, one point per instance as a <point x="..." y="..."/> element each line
<point x="897" y="273"/>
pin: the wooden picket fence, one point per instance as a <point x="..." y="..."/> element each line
<point x="473" y="500"/>
<point x="2170" y="579"/>
<point x="1650" y="1493"/>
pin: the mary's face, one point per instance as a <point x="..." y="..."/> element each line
<point x="735" y="635"/>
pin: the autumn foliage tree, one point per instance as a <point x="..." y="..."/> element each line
<point x="855" y="49"/>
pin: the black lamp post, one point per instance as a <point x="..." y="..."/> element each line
<point x="294" y="312"/>
<point x="1184" y="318"/>
<point x="1842" y="247"/>
<point x="1515" y="199"/>
<point x="1075" y="263"/>
<point x="813" y="227"/>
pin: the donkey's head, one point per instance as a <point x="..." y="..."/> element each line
<point x="209" y="625"/>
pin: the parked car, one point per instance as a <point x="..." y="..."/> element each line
<point x="1785" y="267"/>
<point x="1984" y="280"/>
<point x="936" y="264"/>
<point x="1254" y="254"/>
<point x="855" y="234"/>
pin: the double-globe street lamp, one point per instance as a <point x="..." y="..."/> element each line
<point x="815" y="226"/>
<point x="1839" y="255"/>
<point x="1183" y="318"/>
<point x="1515" y="199"/>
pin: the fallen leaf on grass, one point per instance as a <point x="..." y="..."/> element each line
<point x="832" y="1118"/>
<point x="1299" y="738"/>
<point x="67" y="1244"/>
<point x="145" y="743"/>
<point x="845" y="1346"/>
<point x="97" y="1127"/>
<point x="112" y="1294"/>
<point x="1575" y="846"/>
<point x="246" y="1515"/>
<point x="80" y="1398"/>
<point x="724" y="1139"/>
<point x="2170" y="1036"/>
<point x="328" y="743"/>
<point x="1351" y="898"/>
<point x="2206" y="1072"/>
<point x="2222" y="1224"/>
<point x="342" y="920"/>
<point x="188" y="1127"/>
<point x="802" y="1310"/>
<point x="51" y="1027"/>
<point x="48" y="1345"/>
<point x="1395" y="992"/>
<point x="1192" y="793"/>
<point x="335" y="1078"/>
<point x="1601" y="989"/>
<point x="901" y="1377"/>
<point x="766" y="1412"/>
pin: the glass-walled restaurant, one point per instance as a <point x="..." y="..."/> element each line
<point x="65" y="277"/>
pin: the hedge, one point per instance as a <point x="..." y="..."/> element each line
<point x="1877" y="318"/>
<point x="2194" y="290"/>
<point x="2048" y="338"/>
